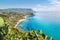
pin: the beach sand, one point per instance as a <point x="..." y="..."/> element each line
<point x="21" y="20"/>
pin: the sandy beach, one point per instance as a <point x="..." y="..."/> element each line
<point x="21" y="20"/>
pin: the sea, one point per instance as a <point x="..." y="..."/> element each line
<point x="48" y="22"/>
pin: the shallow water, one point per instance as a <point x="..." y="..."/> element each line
<point x="51" y="28"/>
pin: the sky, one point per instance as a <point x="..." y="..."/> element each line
<point x="21" y="3"/>
<point x="37" y="5"/>
<point x="50" y="8"/>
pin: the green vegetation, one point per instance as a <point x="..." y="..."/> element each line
<point x="11" y="18"/>
<point x="1" y="22"/>
<point x="8" y="32"/>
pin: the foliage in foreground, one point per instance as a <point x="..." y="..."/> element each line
<point x="11" y="33"/>
<point x="7" y="33"/>
<point x="1" y="22"/>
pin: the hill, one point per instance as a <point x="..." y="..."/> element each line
<point x="12" y="15"/>
<point x="21" y="10"/>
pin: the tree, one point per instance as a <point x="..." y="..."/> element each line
<point x="1" y="22"/>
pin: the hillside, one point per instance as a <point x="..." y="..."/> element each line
<point x="8" y="30"/>
<point x="13" y="15"/>
<point x="21" y="10"/>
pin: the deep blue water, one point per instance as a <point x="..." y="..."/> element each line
<point x="48" y="27"/>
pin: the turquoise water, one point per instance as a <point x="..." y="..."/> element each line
<point x="36" y="23"/>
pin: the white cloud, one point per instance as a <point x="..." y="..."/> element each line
<point x="56" y="2"/>
<point x="47" y="8"/>
<point x="55" y="6"/>
<point x="51" y="12"/>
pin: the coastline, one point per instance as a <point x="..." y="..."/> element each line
<point x="21" y="20"/>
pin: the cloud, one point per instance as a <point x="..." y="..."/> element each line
<point x="55" y="2"/>
<point x="54" y="6"/>
<point x="49" y="12"/>
<point x="47" y="8"/>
